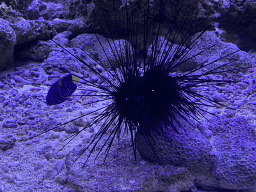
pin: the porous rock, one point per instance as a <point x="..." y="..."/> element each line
<point x="239" y="23"/>
<point x="214" y="48"/>
<point x="38" y="51"/>
<point x="27" y="31"/>
<point x="7" y="43"/>
<point x="163" y="46"/>
<point x="49" y="10"/>
<point x="61" y="25"/>
<point x="113" y="52"/>
<point x="19" y="5"/>
<point x="227" y="159"/>
<point x="166" y="11"/>
<point x="86" y="42"/>
<point x="59" y="60"/>
<point x="7" y="13"/>
<point x="80" y="7"/>
<point x="35" y="8"/>
<point x="186" y="148"/>
<point x="7" y="142"/>
<point x="235" y="143"/>
<point x="107" y="51"/>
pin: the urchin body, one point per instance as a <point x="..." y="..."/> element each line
<point x="146" y="92"/>
<point x="150" y="98"/>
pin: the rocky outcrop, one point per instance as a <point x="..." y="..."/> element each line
<point x="27" y="30"/>
<point x="7" y="43"/>
<point x="224" y="159"/>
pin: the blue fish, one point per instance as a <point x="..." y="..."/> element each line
<point x="61" y="90"/>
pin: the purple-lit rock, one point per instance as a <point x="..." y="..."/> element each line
<point x="7" y="43"/>
<point x="227" y="159"/>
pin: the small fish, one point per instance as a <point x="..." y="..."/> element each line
<point x="61" y="90"/>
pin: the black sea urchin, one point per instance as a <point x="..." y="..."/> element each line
<point x="145" y="81"/>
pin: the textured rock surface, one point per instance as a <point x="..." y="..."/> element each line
<point x="117" y="13"/>
<point x="186" y="148"/>
<point x="59" y="59"/>
<point x="166" y="12"/>
<point x="113" y="53"/>
<point x="48" y="10"/>
<point x="7" y="13"/>
<point x="7" y="142"/>
<point x="226" y="159"/>
<point x="35" y="8"/>
<point x="234" y="142"/>
<point x="18" y="5"/>
<point x="27" y="31"/>
<point x="220" y="49"/>
<point x="238" y="21"/>
<point x="37" y="51"/>
<point x="7" y="43"/>
<point x="86" y="42"/>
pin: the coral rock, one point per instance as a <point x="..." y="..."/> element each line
<point x="227" y="159"/>
<point x="7" y="142"/>
<point x="7" y="43"/>
<point x="28" y="31"/>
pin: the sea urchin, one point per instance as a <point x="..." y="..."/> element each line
<point x="143" y="82"/>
